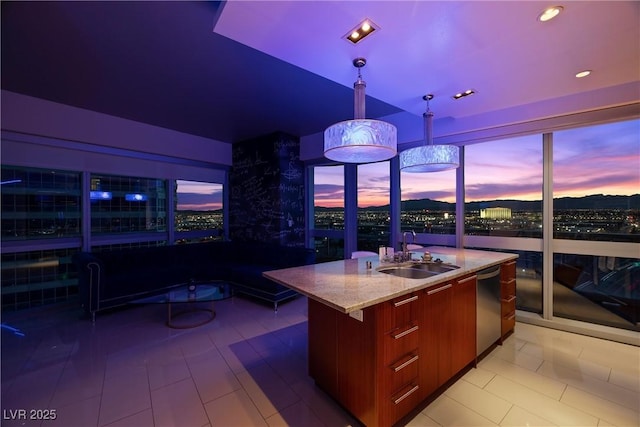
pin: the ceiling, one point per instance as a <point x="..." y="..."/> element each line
<point x="235" y="70"/>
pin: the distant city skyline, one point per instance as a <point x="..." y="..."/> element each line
<point x="602" y="159"/>
<point x="199" y="196"/>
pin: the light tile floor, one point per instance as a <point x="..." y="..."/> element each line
<point x="248" y="368"/>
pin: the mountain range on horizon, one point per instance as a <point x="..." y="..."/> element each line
<point x="591" y="202"/>
<point x="594" y="201"/>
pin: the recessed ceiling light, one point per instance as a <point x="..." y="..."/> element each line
<point x="463" y="94"/>
<point x="550" y="13"/>
<point x="584" y="73"/>
<point x="360" y="31"/>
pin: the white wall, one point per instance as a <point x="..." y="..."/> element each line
<point x="33" y="116"/>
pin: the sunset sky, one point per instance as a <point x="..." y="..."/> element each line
<point x="602" y="159"/>
<point x="200" y="196"/>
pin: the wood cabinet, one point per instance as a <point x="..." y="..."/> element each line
<point x="464" y="316"/>
<point x="507" y="298"/>
<point x="323" y="350"/>
<point x="403" y="350"/>
<point x="435" y="337"/>
<point x="399" y="385"/>
<point x="369" y="366"/>
<point x="448" y="337"/>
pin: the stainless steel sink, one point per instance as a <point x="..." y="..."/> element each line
<point x="418" y="270"/>
<point x="410" y="273"/>
<point x="435" y="267"/>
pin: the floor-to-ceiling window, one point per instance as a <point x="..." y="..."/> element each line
<point x="127" y="212"/>
<point x="373" y="206"/>
<point x="503" y="188"/>
<point x="373" y="218"/>
<point x="122" y="204"/>
<point x="328" y="212"/>
<point x="428" y="204"/>
<point x="503" y="207"/>
<point x="596" y="224"/>
<point x="40" y="203"/>
<point x="41" y="216"/>
<point x="50" y="214"/>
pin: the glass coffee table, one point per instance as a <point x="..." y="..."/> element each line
<point x="191" y="296"/>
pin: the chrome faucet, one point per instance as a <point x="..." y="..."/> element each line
<point x="405" y="251"/>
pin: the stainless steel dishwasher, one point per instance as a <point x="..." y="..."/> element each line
<point x="488" y="310"/>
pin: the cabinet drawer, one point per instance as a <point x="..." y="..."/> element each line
<point x="399" y="342"/>
<point x="402" y="372"/>
<point x="400" y="403"/>
<point x="401" y="311"/>
<point x="508" y="323"/>
<point x="508" y="289"/>
<point x="508" y="271"/>
<point x="507" y="305"/>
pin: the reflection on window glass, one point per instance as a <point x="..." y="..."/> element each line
<point x="597" y="289"/>
<point x="528" y="279"/>
<point x="199" y="208"/>
<point x="503" y="187"/>
<point x="373" y="206"/>
<point x="328" y="249"/>
<point x="596" y="183"/>
<point x="34" y="278"/>
<point x="328" y="197"/>
<point x="39" y="203"/>
<point x="428" y="202"/>
<point x="127" y="204"/>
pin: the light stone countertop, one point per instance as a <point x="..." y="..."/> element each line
<point x="348" y="285"/>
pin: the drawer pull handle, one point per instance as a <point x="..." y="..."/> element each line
<point x="512" y="316"/>
<point x="407" y="394"/>
<point x="510" y="299"/>
<point x="405" y="364"/>
<point x="468" y="279"/>
<point x="407" y="332"/>
<point x="405" y="301"/>
<point x="435" y="291"/>
<point x="508" y="282"/>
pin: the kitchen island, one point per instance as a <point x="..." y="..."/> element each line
<point x="382" y="345"/>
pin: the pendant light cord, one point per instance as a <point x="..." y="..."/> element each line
<point x="428" y="122"/>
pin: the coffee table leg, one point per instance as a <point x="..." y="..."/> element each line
<point x="212" y="315"/>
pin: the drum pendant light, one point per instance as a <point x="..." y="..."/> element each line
<point x="429" y="157"/>
<point x="360" y="140"/>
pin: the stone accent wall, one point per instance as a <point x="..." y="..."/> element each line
<point x="266" y="183"/>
